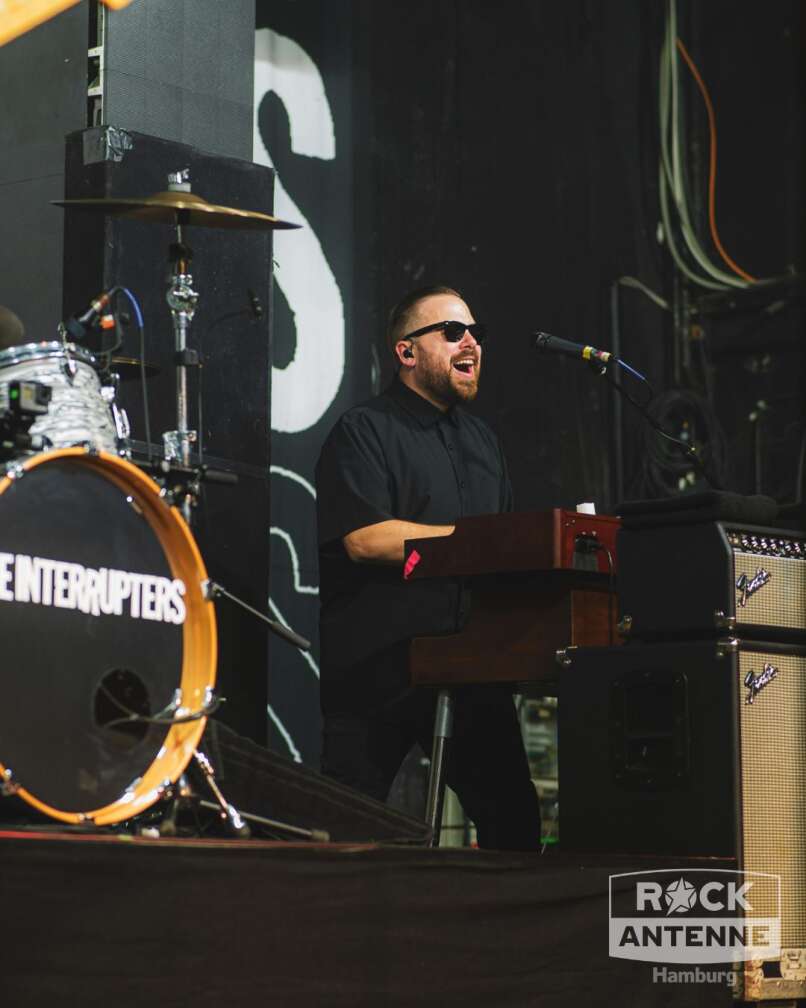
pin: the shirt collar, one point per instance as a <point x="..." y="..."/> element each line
<point x="425" y="412"/>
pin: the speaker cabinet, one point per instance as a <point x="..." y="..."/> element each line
<point x="698" y="749"/>
<point x="713" y="578"/>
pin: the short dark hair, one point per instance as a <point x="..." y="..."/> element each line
<point x="398" y="323"/>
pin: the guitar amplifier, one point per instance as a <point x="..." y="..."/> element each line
<point x="708" y="578"/>
<point x="696" y="749"/>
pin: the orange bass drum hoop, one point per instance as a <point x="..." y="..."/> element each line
<point x="198" y="630"/>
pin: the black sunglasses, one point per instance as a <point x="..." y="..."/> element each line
<point x="453" y="330"/>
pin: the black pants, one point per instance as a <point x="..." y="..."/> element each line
<point x="372" y="719"/>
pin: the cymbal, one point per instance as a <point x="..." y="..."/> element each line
<point x="129" y="368"/>
<point x="183" y="208"/>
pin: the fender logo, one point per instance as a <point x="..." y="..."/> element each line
<point x="749" y="586"/>
<point x="756" y="683"/>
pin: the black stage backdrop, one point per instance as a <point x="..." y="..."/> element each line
<point x="304" y="128"/>
<point x="511" y="150"/>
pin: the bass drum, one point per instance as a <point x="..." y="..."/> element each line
<point x="107" y="636"/>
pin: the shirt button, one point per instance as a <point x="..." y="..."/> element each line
<point x="450" y="446"/>
<point x="461" y="484"/>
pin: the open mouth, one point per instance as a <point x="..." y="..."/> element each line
<point x="465" y="366"/>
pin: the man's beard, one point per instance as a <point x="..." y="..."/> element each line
<point x="443" y="387"/>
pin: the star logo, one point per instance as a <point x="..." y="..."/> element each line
<point x="680" y="896"/>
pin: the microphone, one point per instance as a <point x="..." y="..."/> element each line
<point x="78" y="325"/>
<point x="97" y="305"/>
<point x="546" y="342"/>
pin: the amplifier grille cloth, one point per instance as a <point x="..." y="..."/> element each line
<point x="773" y="768"/>
<point x="781" y="601"/>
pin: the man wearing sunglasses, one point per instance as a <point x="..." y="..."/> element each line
<point x="406" y="465"/>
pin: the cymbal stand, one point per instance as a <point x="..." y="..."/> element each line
<point x="181" y="298"/>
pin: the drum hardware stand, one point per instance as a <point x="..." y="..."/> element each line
<point x="110" y="392"/>
<point x="317" y="835"/>
<point x="181" y="482"/>
<point x="8" y="786"/>
<point x="181" y="300"/>
<point x="236" y="819"/>
<point x="213" y="590"/>
<point x="180" y="795"/>
<point x="238" y="822"/>
<point x="183" y="795"/>
<point x="228" y="812"/>
<point x="69" y="365"/>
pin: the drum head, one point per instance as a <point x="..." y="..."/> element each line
<point x="102" y="618"/>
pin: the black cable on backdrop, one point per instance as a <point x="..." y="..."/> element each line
<point x="615" y="337"/>
<point x="686" y="408"/>
<point x="708" y="464"/>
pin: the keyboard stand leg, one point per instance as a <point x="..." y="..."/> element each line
<point x="443" y="730"/>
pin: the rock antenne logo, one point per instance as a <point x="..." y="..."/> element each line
<point x="695" y="915"/>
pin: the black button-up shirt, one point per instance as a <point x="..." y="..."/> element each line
<point x="397" y="456"/>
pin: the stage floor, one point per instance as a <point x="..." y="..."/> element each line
<point x="117" y="921"/>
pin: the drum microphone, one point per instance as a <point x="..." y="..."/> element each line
<point x="79" y="325"/>
<point x="546" y="342"/>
